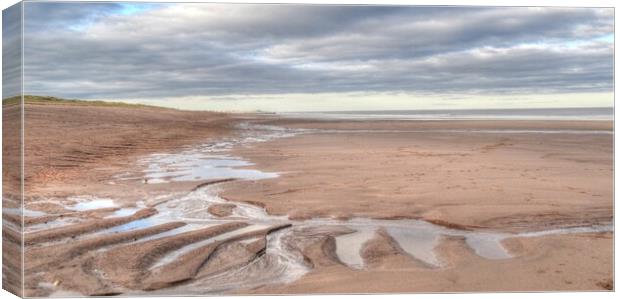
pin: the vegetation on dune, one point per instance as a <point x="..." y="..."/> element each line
<point x="45" y="100"/>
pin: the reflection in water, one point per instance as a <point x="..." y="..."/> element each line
<point x="84" y="204"/>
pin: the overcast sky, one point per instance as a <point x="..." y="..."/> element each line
<point x="296" y="57"/>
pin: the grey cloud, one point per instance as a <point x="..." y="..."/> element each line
<point x="11" y="51"/>
<point x="400" y="35"/>
<point x="273" y="49"/>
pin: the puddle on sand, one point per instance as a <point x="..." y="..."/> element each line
<point x="92" y="205"/>
<point x="419" y="239"/>
<point x="123" y="212"/>
<point x="82" y="204"/>
<point x="182" y="167"/>
<point x="488" y="245"/>
<point x="25" y="212"/>
<point x="208" y="161"/>
<point x="349" y="246"/>
<point x="51" y="224"/>
<point x="416" y="237"/>
<point x="419" y="243"/>
<point x="133" y="225"/>
<point x="86" y="203"/>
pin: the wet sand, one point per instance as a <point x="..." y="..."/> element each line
<point x="172" y="202"/>
<point x="554" y="263"/>
<point x="533" y="175"/>
<point x="464" y="173"/>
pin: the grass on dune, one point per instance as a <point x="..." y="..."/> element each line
<point x="46" y="100"/>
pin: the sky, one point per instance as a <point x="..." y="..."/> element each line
<point x="244" y="57"/>
<point x="11" y="51"/>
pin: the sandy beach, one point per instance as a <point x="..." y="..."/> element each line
<point x="160" y="201"/>
<point x="508" y="175"/>
<point x="461" y="174"/>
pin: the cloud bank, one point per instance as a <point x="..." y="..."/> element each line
<point x="222" y="51"/>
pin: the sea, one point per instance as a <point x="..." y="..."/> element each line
<point x="589" y="113"/>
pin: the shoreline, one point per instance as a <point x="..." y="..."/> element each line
<point x="447" y="119"/>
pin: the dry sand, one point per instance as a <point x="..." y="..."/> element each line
<point x="468" y="181"/>
<point x="76" y="149"/>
